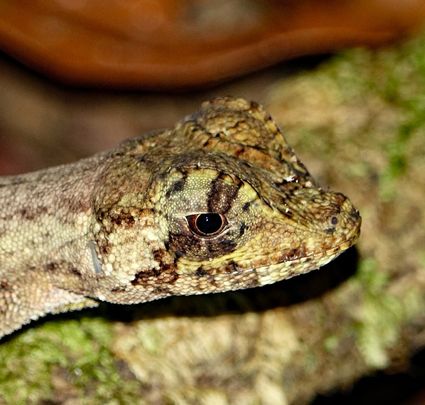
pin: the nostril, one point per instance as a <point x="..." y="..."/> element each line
<point x="333" y="222"/>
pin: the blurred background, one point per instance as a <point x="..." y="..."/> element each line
<point x="346" y="82"/>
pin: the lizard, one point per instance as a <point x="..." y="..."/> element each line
<point x="219" y="202"/>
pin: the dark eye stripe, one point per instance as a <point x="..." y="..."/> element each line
<point x="177" y="186"/>
<point x="221" y="196"/>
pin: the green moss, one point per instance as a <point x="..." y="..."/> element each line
<point x="70" y="356"/>
<point x="381" y="314"/>
<point x="331" y="343"/>
<point x="397" y="76"/>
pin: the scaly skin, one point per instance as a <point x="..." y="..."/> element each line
<point x="122" y="226"/>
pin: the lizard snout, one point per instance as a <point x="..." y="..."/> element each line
<point x="343" y="220"/>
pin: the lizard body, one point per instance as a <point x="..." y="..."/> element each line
<point x="218" y="203"/>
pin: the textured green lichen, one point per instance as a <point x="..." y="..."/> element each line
<point x="62" y="359"/>
<point x="381" y="314"/>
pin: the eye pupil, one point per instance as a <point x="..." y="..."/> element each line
<point x="209" y="223"/>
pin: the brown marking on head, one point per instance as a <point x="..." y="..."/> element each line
<point x="31" y="214"/>
<point x="123" y="218"/>
<point x="104" y="247"/>
<point x="178" y="185"/>
<point x="232" y="267"/>
<point x="225" y="246"/>
<point x="250" y="276"/>
<point x="51" y="266"/>
<point x="165" y="274"/>
<point x="239" y="151"/>
<point x="200" y="248"/>
<point x="144" y="277"/>
<point x="222" y="195"/>
<point x="162" y="291"/>
<point x="242" y="229"/>
<point x="145" y="212"/>
<point x="246" y="206"/>
<point x="200" y="272"/>
<point x="160" y="256"/>
<point x="75" y="271"/>
<point x="77" y="205"/>
<point x="119" y="289"/>
<point x="252" y="280"/>
<point x="293" y="254"/>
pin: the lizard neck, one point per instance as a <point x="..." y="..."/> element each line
<point x="45" y="218"/>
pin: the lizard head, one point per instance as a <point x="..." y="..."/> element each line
<point x="223" y="203"/>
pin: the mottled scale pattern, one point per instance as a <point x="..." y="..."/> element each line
<point x="125" y="226"/>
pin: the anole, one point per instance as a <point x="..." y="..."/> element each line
<point x="220" y="202"/>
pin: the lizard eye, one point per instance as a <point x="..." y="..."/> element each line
<point x="206" y="224"/>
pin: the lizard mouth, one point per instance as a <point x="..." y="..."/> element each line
<point x="299" y="261"/>
<point x="264" y="275"/>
